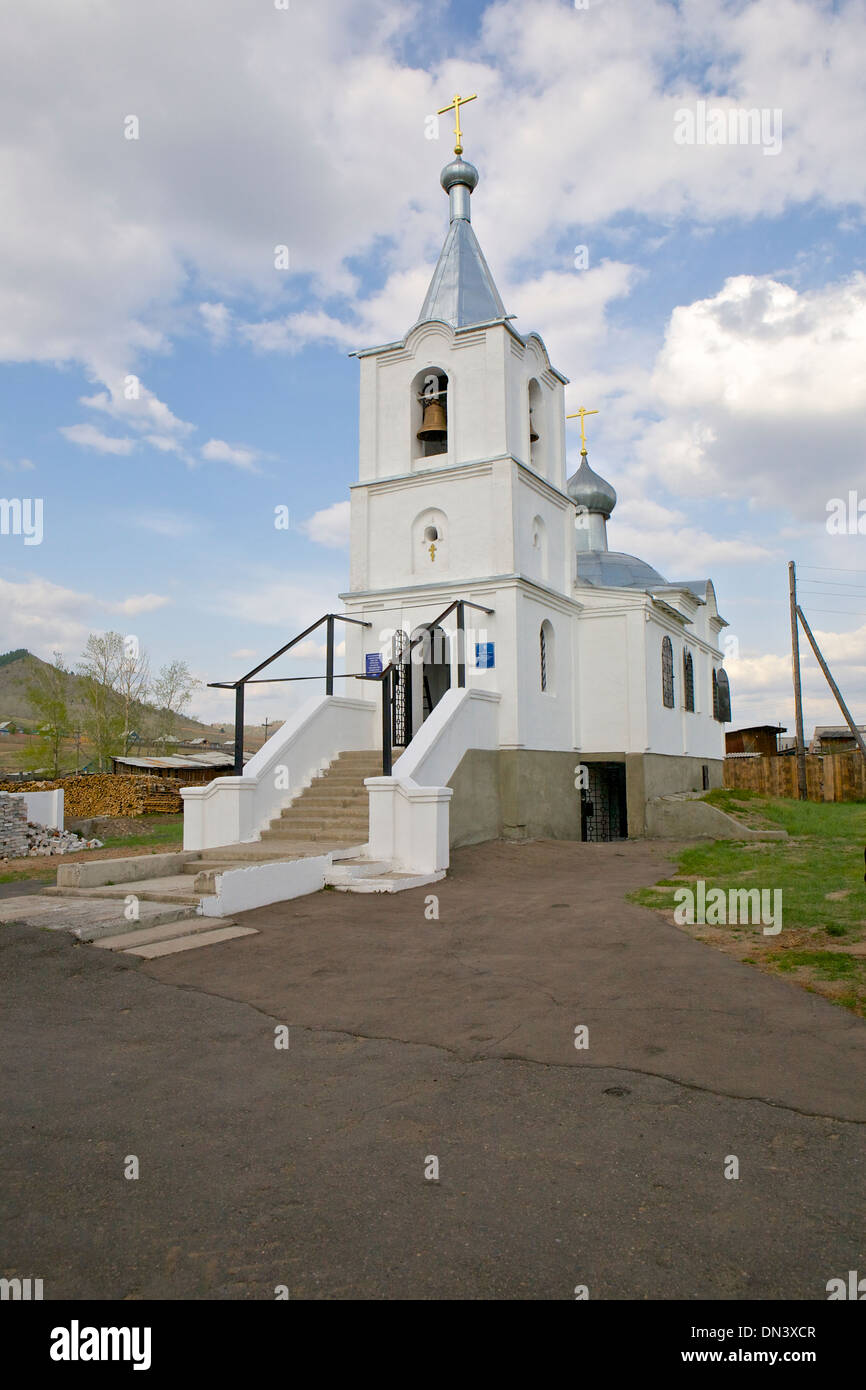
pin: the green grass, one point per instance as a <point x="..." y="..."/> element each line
<point x="828" y="965"/>
<point x="158" y="831"/>
<point x="823" y="855"/>
<point x="34" y="875"/>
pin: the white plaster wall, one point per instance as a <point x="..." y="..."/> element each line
<point x="396" y="553"/>
<point x="556" y="513"/>
<point x="409" y="810"/>
<point x="43" y="808"/>
<point x="605" y="722"/>
<point x="545" y="716"/>
<point x="240" y="890"/>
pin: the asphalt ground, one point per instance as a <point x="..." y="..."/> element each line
<point x="413" y="1038"/>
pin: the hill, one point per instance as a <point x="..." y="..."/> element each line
<point x="20" y="669"/>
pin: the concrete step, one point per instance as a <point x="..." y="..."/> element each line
<point x="189" y="943"/>
<point x="329" y="798"/>
<point x="348" y="870"/>
<point x="146" y="936"/>
<point x="175" y="888"/>
<point x="257" y="852"/>
<point x="195" y="866"/>
<point x="320" y="840"/>
<point x="88" y="918"/>
<point x="351" y="781"/>
<point x="387" y="883"/>
<point x="316" y="825"/>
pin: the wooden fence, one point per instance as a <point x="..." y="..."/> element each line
<point x="833" y="777"/>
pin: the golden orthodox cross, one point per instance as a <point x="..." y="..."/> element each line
<point x="455" y="107"/>
<point x="581" y="415"/>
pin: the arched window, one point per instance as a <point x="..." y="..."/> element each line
<point x="667" y="673"/>
<point x="430" y="413"/>
<point x="722" y="696"/>
<point x="546" y="655"/>
<point x="689" y="681"/>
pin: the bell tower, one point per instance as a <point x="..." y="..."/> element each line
<point x="461" y="490"/>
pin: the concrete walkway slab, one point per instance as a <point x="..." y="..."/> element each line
<point x="193" y="942"/>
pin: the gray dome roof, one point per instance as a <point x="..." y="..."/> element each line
<point x="590" y="492"/>
<point x="613" y="570"/>
<point x="459" y="171"/>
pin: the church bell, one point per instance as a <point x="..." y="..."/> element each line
<point x="533" y="432"/>
<point x="433" y="426"/>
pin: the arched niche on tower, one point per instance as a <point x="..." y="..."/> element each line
<point x="430" y="543"/>
<point x="538" y="549"/>
<point x="429" y="415"/>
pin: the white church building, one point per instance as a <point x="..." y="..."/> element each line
<point x="517" y="676"/>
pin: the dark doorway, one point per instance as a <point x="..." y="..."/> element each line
<point x="436" y="668"/>
<point x="603" y="804"/>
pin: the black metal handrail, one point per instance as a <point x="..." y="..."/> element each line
<point x="238" y="685"/>
<point x="388" y="674"/>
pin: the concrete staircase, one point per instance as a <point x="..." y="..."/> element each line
<point x="334" y="811"/>
<point x="327" y="824"/>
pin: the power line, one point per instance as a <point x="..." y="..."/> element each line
<point x="834" y="569"/>
<point x="837" y="583"/>
<point x="840" y="612"/>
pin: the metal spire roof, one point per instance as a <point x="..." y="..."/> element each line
<point x="462" y="290"/>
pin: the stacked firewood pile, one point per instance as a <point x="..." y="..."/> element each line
<point x="103" y="794"/>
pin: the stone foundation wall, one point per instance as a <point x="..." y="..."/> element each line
<point x="521" y="793"/>
<point x="13" y="827"/>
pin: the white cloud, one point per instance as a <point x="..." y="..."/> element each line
<point x="240" y="456"/>
<point x="330" y="526"/>
<point x="89" y="437"/>
<point x="138" y="603"/>
<point x="145" y="220"/>
<point x="217" y="322"/>
<point x="759" y="383"/>
<point x="142" y="410"/>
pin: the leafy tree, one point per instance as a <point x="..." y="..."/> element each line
<point x="48" y="696"/>
<point x="100" y="671"/>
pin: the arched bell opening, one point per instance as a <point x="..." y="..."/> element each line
<point x="537" y="428"/>
<point x="430" y="413"/>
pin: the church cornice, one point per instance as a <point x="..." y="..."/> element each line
<point x="460" y="337"/>
<point x="471" y="589"/>
<point x="477" y="469"/>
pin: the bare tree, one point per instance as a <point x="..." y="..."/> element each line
<point x="171" y="693"/>
<point x="132" y="684"/>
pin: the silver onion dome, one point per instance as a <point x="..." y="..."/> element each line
<point x="459" y="171"/>
<point x="590" y="492"/>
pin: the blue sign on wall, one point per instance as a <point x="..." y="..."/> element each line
<point x="373" y="664"/>
<point x="485" y="656"/>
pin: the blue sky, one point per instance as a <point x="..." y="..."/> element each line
<point x="720" y="326"/>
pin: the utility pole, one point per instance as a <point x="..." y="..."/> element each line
<point x="267" y="722"/>
<point x="798" y="693"/>
<point x="858" y="737"/>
